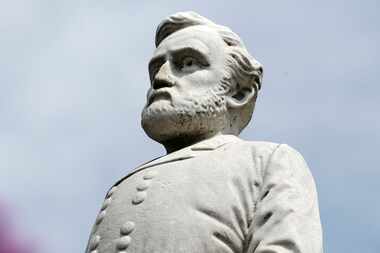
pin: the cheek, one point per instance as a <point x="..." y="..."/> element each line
<point x="201" y="80"/>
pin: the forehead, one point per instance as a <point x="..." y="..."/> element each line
<point x="201" y="38"/>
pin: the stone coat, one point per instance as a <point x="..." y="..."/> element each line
<point x="220" y="195"/>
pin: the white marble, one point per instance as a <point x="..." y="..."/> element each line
<point x="212" y="192"/>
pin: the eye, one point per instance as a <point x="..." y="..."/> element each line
<point x="189" y="64"/>
<point x="188" y="61"/>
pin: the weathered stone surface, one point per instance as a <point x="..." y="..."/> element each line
<point x="212" y="192"/>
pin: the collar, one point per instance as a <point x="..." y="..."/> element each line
<point x="192" y="151"/>
<point x="189" y="152"/>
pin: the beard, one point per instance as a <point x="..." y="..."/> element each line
<point x="191" y="117"/>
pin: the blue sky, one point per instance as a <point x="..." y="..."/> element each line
<point x="73" y="78"/>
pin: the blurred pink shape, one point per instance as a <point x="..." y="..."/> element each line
<point x="10" y="242"/>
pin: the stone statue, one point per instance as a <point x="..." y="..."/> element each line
<point x="212" y="192"/>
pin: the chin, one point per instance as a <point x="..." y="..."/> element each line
<point x="163" y="125"/>
<point x="166" y="121"/>
<point x="157" y="127"/>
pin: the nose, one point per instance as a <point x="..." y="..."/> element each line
<point x="164" y="77"/>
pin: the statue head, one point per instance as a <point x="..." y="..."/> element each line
<point x="203" y="82"/>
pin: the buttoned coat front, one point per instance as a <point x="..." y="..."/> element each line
<point x="220" y="195"/>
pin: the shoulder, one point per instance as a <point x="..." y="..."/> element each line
<point x="283" y="163"/>
<point x="269" y="149"/>
<point x="258" y="148"/>
<point x="276" y="157"/>
<point x="262" y="147"/>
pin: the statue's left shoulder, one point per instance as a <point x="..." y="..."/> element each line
<point x="269" y="149"/>
<point x="270" y="156"/>
<point x="261" y="149"/>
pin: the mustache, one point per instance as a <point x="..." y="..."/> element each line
<point x="159" y="83"/>
<point x="160" y="88"/>
<point x="156" y="94"/>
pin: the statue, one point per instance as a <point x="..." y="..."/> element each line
<point x="212" y="192"/>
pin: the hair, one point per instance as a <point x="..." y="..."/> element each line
<point x="242" y="70"/>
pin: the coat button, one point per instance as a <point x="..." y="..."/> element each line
<point x="142" y="186"/>
<point x="139" y="197"/>
<point x="100" y="217"/>
<point x="106" y="203"/>
<point x="94" y="242"/>
<point x="127" y="228"/>
<point x="112" y="191"/>
<point x="150" y="175"/>
<point x="123" y="242"/>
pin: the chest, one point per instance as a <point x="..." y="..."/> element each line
<point x="206" y="201"/>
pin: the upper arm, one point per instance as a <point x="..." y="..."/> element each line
<point x="286" y="216"/>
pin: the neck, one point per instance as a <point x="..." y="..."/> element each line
<point x="181" y="142"/>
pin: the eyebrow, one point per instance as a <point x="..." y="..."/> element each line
<point x="191" y="50"/>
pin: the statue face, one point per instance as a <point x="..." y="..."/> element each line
<point x="185" y="73"/>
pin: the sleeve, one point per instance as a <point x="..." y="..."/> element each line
<point x="286" y="216"/>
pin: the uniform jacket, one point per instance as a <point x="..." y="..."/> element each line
<point x="221" y="195"/>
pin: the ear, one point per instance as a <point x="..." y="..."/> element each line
<point x="240" y="97"/>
